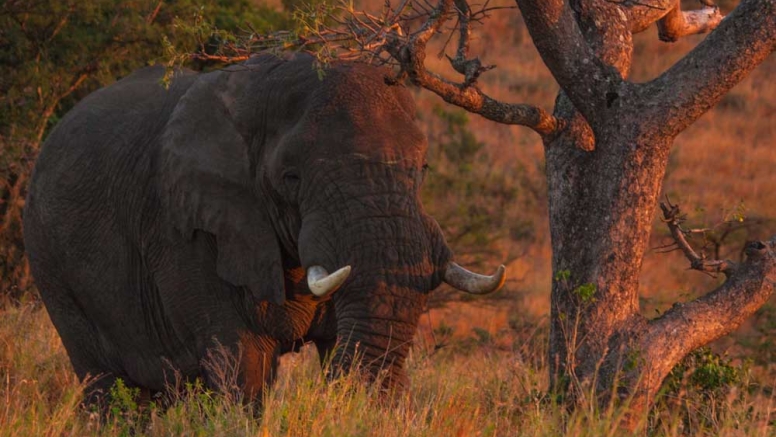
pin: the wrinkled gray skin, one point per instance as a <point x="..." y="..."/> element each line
<point x="161" y="223"/>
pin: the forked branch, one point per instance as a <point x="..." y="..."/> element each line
<point x="410" y="53"/>
<point x="582" y="75"/>
<point x="394" y="38"/>
<point x="469" y="68"/>
<point x="673" y="217"/>
<point x="698" y="81"/>
<point x="687" y="326"/>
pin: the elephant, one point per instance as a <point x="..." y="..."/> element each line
<point x="225" y="210"/>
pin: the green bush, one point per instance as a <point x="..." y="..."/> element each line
<point x="705" y="389"/>
<point x="53" y="53"/>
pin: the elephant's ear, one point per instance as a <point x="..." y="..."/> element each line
<point x="206" y="185"/>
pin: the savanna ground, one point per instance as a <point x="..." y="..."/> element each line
<point x="479" y="365"/>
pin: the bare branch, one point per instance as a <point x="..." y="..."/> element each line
<point x="698" y="81"/>
<point x="363" y="36"/>
<point x="632" y="3"/>
<point x="152" y="16"/>
<point x="200" y="56"/>
<point x="474" y="100"/>
<point x="674" y="218"/>
<point x="437" y="18"/>
<point x="687" y="326"/>
<point x="411" y="56"/>
<point x="469" y="68"/>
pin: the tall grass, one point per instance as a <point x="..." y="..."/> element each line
<point x="39" y="391"/>
<point x="476" y="386"/>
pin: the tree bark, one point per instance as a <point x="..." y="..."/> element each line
<point x="603" y="195"/>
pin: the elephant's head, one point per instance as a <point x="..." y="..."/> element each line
<point x="288" y="169"/>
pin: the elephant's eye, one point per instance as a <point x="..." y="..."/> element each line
<point x="291" y="180"/>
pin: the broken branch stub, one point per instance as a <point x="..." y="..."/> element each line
<point x="673" y="218"/>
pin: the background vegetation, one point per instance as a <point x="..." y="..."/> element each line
<point x="54" y="53"/>
<point x="479" y="367"/>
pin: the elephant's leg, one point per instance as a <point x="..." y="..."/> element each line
<point x="80" y="339"/>
<point x="247" y="370"/>
<point x="325" y="349"/>
<point x="96" y="395"/>
<point x="323" y="333"/>
<point x="259" y="365"/>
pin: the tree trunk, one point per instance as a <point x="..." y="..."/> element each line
<point x="602" y="203"/>
<point x="606" y="149"/>
<point x="601" y="208"/>
<point x="603" y="192"/>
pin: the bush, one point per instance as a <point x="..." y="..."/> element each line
<point x="704" y="390"/>
<point x="54" y="53"/>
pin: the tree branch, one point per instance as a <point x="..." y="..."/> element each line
<point x="469" y="68"/>
<point x="576" y="68"/>
<point x="686" y="327"/>
<point x="672" y="22"/>
<point x="698" y="81"/>
<point x="678" y="23"/>
<point x="152" y="16"/>
<point x="48" y="111"/>
<point x="411" y="56"/>
<point x="674" y="218"/>
<point x="361" y="36"/>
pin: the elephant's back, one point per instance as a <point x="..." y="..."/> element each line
<point x="111" y="126"/>
<point x="99" y="161"/>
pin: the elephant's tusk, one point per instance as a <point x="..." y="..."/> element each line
<point x="474" y="283"/>
<point x="322" y="283"/>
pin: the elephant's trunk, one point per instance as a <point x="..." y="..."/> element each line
<point x="373" y="222"/>
<point x="379" y="307"/>
<point x="375" y="333"/>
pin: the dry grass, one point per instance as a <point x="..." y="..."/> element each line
<point x="478" y="368"/>
<point x="40" y="392"/>
<point x="479" y="385"/>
